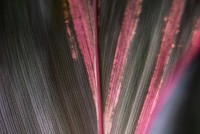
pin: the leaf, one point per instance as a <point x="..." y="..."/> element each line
<point x="95" y="66"/>
<point x="43" y="89"/>
<point x="132" y="85"/>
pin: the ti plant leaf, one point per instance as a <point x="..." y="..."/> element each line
<point x="99" y="66"/>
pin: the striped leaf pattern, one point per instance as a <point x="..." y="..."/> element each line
<point x="92" y="66"/>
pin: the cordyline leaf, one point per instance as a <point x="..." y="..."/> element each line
<point x="81" y="28"/>
<point x="177" y="102"/>
<point x="44" y="85"/>
<point x="98" y="66"/>
<point x="133" y="75"/>
<point x="179" y="112"/>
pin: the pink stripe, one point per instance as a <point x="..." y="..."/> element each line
<point x="85" y="40"/>
<point x="85" y="25"/>
<point x="169" y="85"/>
<point x="84" y="37"/>
<point x="126" y="35"/>
<point x="163" y="57"/>
<point x="195" y="43"/>
<point x="183" y="63"/>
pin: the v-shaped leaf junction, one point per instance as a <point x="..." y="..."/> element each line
<point x="132" y="45"/>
